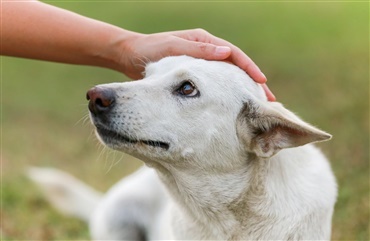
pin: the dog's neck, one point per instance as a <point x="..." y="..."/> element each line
<point x="210" y="198"/>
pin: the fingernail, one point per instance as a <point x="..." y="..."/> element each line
<point x="222" y="50"/>
<point x="264" y="77"/>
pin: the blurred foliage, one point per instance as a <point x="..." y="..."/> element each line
<point x="315" y="55"/>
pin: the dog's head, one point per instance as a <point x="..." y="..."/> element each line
<point x="196" y="112"/>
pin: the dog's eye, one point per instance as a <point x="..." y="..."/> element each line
<point x="188" y="89"/>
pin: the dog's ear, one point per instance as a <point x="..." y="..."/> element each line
<point x="266" y="128"/>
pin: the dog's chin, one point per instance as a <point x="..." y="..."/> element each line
<point x="119" y="141"/>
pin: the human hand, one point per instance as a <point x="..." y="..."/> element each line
<point x="31" y="33"/>
<point x="198" y="43"/>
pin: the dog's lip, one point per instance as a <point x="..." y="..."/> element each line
<point x="107" y="133"/>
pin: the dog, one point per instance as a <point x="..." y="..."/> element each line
<point x="221" y="162"/>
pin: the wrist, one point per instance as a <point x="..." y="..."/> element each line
<point x="116" y="50"/>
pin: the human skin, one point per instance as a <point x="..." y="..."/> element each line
<point x="32" y="29"/>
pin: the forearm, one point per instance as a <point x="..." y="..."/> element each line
<point x="40" y="31"/>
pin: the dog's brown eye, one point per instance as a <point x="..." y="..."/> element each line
<point x="188" y="89"/>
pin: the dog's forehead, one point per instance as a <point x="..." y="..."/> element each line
<point x="169" y="64"/>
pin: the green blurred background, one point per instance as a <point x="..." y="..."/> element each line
<point x="315" y="55"/>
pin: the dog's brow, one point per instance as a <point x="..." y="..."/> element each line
<point x="181" y="74"/>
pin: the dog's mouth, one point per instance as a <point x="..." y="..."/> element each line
<point x="108" y="136"/>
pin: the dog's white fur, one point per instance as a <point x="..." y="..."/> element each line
<point x="237" y="168"/>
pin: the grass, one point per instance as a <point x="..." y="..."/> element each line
<point x="315" y="55"/>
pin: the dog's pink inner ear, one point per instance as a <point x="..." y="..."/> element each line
<point x="283" y="135"/>
<point x="273" y="128"/>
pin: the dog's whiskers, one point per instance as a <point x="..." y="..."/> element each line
<point x="113" y="163"/>
<point x="84" y="120"/>
<point x="141" y="62"/>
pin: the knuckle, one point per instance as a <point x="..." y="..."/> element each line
<point x="201" y="31"/>
<point x="171" y="50"/>
<point x="203" y="47"/>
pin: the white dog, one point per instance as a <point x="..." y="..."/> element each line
<point x="226" y="164"/>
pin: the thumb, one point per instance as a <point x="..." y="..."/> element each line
<point x="204" y="50"/>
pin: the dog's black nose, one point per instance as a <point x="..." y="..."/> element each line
<point x="100" y="99"/>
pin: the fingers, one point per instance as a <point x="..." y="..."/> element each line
<point x="236" y="56"/>
<point x="269" y="94"/>
<point x="240" y="59"/>
<point x="200" y="50"/>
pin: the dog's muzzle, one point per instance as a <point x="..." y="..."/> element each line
<point x="101" y="102"/>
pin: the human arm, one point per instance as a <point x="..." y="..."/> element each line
<point x="32" y="29"/>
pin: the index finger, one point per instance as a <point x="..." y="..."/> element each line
<point x="240" y="59"/>
<point x="237" y="56"/>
